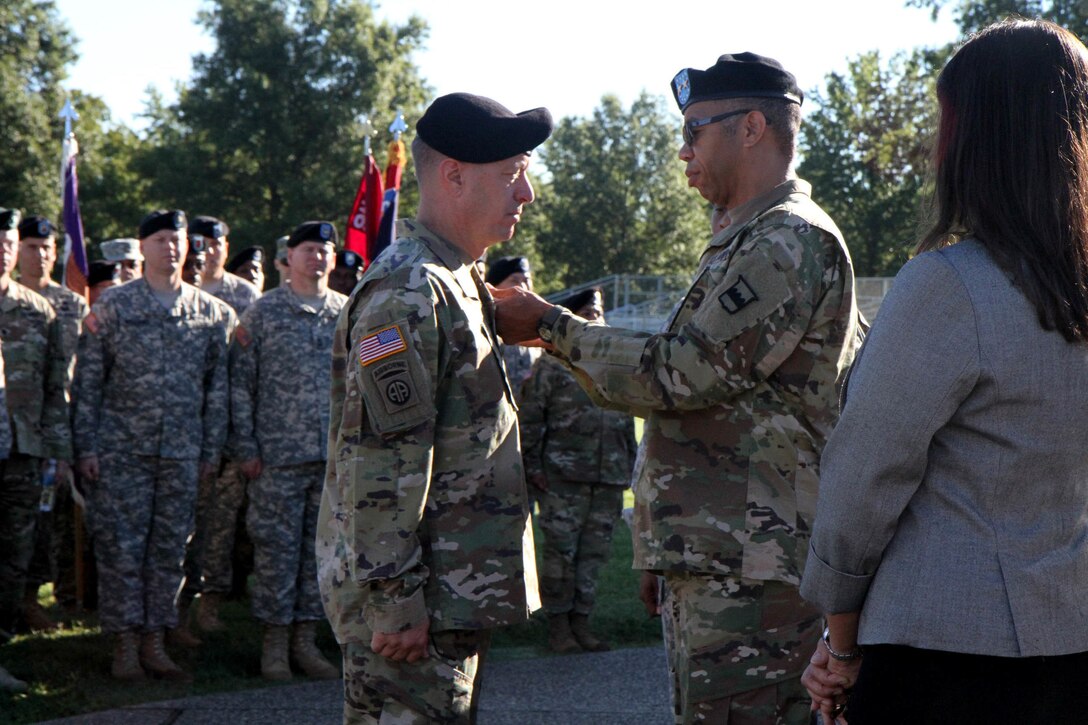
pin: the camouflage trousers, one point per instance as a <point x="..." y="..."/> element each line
<point x="228" y="496"/>
<point x="48" y="534"/>
<point x="577" y="520"/>
<point x="444" y="688"/>
<point x="737" y="648"/>
<point x="194" y="547"/>
<point x="20" y="492"/>
<point x="143" y="515"/>
<point x="282" y="522"/>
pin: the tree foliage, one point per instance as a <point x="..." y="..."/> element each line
<point x="616" y="199"/>
<point x="866" y="149"/>
<point x="267" y="133"/>
<point x="973" y="15"/>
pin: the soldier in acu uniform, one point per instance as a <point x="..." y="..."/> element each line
<point x="125" y="253"/>
<point x="739" y="392"/>
<point x="150" y="419"/>
<point x="424" y="544"/>
<point x="279" y="371"/>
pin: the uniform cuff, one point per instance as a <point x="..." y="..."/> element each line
<point x="393" y="615"/>
<point x="831" y="590"/>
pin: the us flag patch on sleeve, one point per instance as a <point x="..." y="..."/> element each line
<point x="381" y="344"/>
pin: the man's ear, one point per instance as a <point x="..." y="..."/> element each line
<point x="451" y="173"/>
<point x="754" y="128"/>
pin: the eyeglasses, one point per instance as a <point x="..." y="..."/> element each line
<point x="690" y="126"/>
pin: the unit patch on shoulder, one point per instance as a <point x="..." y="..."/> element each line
<point x="380" y="345"/>
<point x="393" y="380"/>
<point x="737" y="297"/>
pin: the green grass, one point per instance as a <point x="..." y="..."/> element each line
<point x="69" y="671"/>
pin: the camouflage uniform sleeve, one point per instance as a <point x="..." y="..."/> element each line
<point x="391" y="474"/>
<point x="632" y="444"/>
<point x="244" y="350"/>
<point x="56" y="420"/>
<point x="92" y="362"/>
<point x="752" y="317"/>
<point x="216" y="393"/>
<point x="533" y="417"/>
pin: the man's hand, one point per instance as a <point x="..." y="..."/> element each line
<point x="647" y="592"/>
<point x="539" y="481"/>
<point x="64" y="470"/>
<point x="518" y="313"/>
<point x="88" y="467"/>
<point x="251" y="468"/>
<point x="407" y="646"/>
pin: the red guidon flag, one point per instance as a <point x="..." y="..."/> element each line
<point x="366" y="212"/>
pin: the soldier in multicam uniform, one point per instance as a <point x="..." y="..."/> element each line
<point x="579" y="456"/>
<point x="279" y="371"/>
<point x="150" y="419"/>
<point x="7" y="681"/>
<point x="424" y="543"/>
<point x="504" y="273"/>
<point x="36" y="376"/>
<point x="739" y="392"/>
<point x="37" y="256"/>
<point x="125" y="253"/>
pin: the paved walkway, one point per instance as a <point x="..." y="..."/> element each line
<point x="609" y="688"/>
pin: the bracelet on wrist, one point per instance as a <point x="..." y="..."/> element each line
<point x="840" y="656"/>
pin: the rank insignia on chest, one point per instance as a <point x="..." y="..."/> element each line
<point x="380" y="345"/>
<point x="737" y="297"/>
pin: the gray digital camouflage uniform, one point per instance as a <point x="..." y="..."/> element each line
<point x="36" y="390"/>
<point x="739" y="394"/>
<point x="585" y="453"/>
<point x="151" y="403"/>
<point x="424" y="515"/>
<point x="5" y="419"/>
<point x="279" y="371"/>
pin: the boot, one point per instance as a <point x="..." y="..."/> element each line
<point x="182" y="636"/>
<point x="154" y="659"/>
<point x="274" y="664"/>
<point x="34" y="617"/>
<point x="11" y="683"/>
<point x="207" y="612"/>
<point x="560" y="638"/>
<point x="308" y="656"/>
<point x="126" y="658"/>
<point x="579" y="627"/>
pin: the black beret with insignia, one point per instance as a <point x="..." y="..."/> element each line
<point x="161" y="219"/>
<point x="9" y="219"/>
<point x="313" y="232"/>
<point x="349" y="259"/>
<point x="36" y="226"/>
<point x="503" y="267"/>
<point x="208" y="226"/>
<point x="478" y="130"/>
<point x="578" y="300"/>
<point x="102" y="271"/>
<point x="736" y="75"/>
<point x="249" y="254"/>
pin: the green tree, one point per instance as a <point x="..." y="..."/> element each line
<point x="616" y="200"/>
<point x="973" y="15"/>
<point x="266" y="134"/>
<point x="866" y="148"/>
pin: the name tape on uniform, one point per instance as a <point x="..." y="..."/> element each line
<point x="381" y="344"/>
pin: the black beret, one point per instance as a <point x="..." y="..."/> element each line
<point x="739" y="75"/>
<point x="161" y="219"/>
<point x="208" y="226"/>
<point x="9" y="219"/>
<point x="249" y="254"/>
<point x="101" y="271"/>
<point x="478" y="130"/>
<point x="503" y="267"/>
<point x="36" y="226"/>
<point x="578" y="300"/>
<point x="349" y="259"/>
<point x="313" y="232"/>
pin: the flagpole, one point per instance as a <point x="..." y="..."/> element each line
<point x="68" y="114"/>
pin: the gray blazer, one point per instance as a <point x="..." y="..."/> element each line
<point x="953" y="504"/>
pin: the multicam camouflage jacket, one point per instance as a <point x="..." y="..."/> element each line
<point x="565" y="435"/>
<point x="279" y="379"/>
<point x="424" y="512"/>
<point x="36" y="374"/>
<point x="739" y="392"/>
<point x="151" y="381"/>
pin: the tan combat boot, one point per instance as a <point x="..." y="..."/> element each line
<point x="34" y="617"/>
<point x="207" y="612"/>
<point x="126" y="657"/>
<point x="560" y="638"/>
<point x="579" y="627"/>
<point x="308" y="656"/>
<point x="154" y="659"/>
<point x="182" y="636"/>
<point x="274" y="665"/>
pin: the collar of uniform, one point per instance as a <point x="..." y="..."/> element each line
<point x="184" y="305"/>
<point x="301" y="305"/>
<point x="450" y="255"/>
<point x="15" y="295"/>
<point x="743" y="215"/>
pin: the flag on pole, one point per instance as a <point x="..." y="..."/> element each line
<point x="398" y="155"/>
<point x="365" y="212"/>
<point x="393" y="170"/>
<point x="75" y="252"/>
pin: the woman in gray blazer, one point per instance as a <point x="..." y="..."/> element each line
<point x="950" y="548"/>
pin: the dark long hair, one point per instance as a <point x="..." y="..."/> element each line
<point x="1012" y="162"/>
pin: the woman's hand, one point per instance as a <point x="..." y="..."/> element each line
<point x="828" y="682"/>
